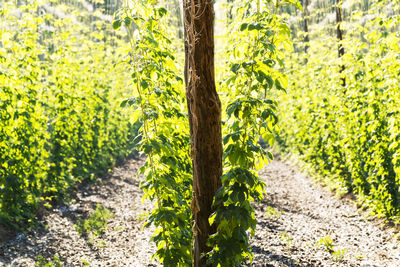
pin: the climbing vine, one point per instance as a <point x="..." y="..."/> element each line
<point x="259" y="37"/>
<point x="164" y="134"/>
<point x="253" y="71"/>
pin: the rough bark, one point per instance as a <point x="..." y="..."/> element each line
<point x="339" y="35"/>
<point x="204" y="109"/>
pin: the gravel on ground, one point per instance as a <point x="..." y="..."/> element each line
<point x="299" y="224"/>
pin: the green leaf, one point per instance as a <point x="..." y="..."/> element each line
<point x="278" y="85"/>
<point x="235" y="68"/>
<point x="144" y="84"/>
<point x="162" y="11"/>
<point x="127" y="22"/>
<point x="117" y="24"/>
<point x="123" y="103"/>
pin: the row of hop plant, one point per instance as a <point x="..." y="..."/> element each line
<point x="350" y="134"/>
<point x="60" y="123"/>
<point x="254" y="43"/>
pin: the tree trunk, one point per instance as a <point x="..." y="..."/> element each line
<point x="339" y="34"/>
<point x="204" y="110"/>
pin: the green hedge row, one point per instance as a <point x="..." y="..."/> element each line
<point x="350" y="134"/>
<point x="60" y="121"/>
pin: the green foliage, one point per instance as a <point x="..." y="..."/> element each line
<point x="327" y="243"/>
<point x="42" y="262"/>
<point x="338" y="255"/>
<point x="256" y="40"/>
<point x="95" y="225"/>
<point x="159" y="103"/>
<point x="273" y="213"/>
<point x="85" y="262"/>
<point x="287" y="240"/>
<point x="60" y="123"/>
<point x="350" y="135"/>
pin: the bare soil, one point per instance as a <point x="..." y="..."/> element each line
<point x="298" y="218"/>
<point x="125" y="242"/>
<point x="299" y="224"/>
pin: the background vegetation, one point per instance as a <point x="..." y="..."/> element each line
<point x="349" y="134"/>
<point x="61" y="123"/>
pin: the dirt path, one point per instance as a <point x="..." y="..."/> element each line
<point x="299" y="222"/>
<point x="293" y="218"/>
<point x="125" y="243"/>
